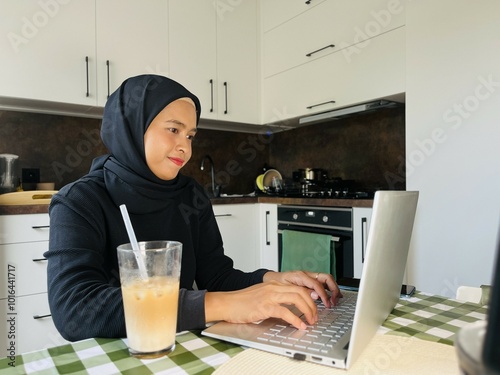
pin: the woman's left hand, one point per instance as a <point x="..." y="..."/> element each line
<point x="316" y="282"/>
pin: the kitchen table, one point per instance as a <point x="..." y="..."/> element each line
<point x="424" y="316"/>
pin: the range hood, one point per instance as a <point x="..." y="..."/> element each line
<point x="341" y="112"/>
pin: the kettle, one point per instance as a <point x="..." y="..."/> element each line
<point x="8" y="173"/>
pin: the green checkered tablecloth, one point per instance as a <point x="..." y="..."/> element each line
<point x="427" y="317"/>
<point x="193" y="354"/>
<point x="431" y="317"/>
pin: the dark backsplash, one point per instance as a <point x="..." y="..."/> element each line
<point x="61" y="147"/>
<point x="369" y="148"/>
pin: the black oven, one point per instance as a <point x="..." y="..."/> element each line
<point x="334" y="221"/>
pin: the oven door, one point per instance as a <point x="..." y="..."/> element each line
<point x="341" y="245"/>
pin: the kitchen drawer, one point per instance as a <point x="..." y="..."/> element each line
<point x="366" y="71"/>
<point x="25" y="264"/>
<point x="30" y="333"/>
<point x="24" y="228"/>
<point x="326" y="29"/>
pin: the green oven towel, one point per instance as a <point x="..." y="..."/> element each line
<point x="307" y="251"/>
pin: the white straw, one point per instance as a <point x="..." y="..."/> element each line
<point x="139" y="255"/>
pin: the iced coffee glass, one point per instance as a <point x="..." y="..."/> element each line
<point x="150" y="296"/>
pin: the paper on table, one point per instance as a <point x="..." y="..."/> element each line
<point x="387" y="354"/>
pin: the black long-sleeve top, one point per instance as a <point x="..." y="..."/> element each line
<point x="86" y="227"/>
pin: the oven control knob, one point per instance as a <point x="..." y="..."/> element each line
<point x="325" y="219"/>
<point x="295" y="216"/>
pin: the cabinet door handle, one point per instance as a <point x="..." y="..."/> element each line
<point x="317" y="105"/>
<point x="223" y="215"/>
<point x="308" y="2"/>
<point x="267" y="227"/>
<point x="363" y="238"/>
<point x="41" y="316"/>
<point x="211" y="95"/>
<point x="39" y="259"/>
<point x="107" y="70"/>
<point x="225" y="92"/>
<point x="40" y="226"/>
<point x="87" y="72"/>
<point x="321" y="49"/>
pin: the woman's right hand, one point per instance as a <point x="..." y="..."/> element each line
<point x="261" y="301"/>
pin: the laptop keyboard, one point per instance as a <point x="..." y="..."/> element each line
<point x="321" y="337"/>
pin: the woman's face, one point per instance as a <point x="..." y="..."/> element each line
<point x="167" y="141"/>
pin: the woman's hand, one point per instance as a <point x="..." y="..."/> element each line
<point x="314" y="281"/>
<point x="261" y="301"/>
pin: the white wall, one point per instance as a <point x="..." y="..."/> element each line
<point x="453" y="141"/>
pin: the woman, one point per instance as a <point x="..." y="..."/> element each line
<point x="148" y="126"/>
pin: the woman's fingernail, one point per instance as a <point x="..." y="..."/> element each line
<point x="303" y="326"/>
<point x="314" y="295"/>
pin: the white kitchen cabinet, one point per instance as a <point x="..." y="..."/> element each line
<point x="361" y="217"/>
<point x="213" y="49"/>
<point x="250" y="234"/>
<point x="275" y="12"/>
<point x="32" y="327"/>
<point x="132" y="39"/>
<point x="331" y="26"/>
<point x="238" y="224"/>
<point x="24" y="309"/>
<point x="268" y="236"/>
<point x="24" y="228"/>
<point x="44" y="46"/>
<point x="58" y="51"/>
<point x="30" y="265"/>
<point x="192" y="50"/>
<point x="362" y="72"/>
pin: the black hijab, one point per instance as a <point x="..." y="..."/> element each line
<point x="127" y="115"/>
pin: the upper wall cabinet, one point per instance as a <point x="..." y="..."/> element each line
<point x="132" y="39"/>
<point x="276" y="12"/>
<point x="77" y="52"/>
<point x="213" y="49"/>
<point x="335" y="54"/>
<point x="44" y="47"/>
<point x="364" y="72"/>
<point x="326" y="28"/>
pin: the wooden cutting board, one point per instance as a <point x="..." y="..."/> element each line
<point x="20" y="198"/>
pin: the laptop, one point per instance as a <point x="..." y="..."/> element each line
<point x="343" y="340"/>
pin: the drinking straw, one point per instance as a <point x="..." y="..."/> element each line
<point x="139" y="255"/>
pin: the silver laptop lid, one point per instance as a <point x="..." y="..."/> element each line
<point x="383" y="271"/>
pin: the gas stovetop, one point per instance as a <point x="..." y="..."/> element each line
<point x="308" y="191"/>
<point x="334" y="189"/>
<point x="325" y="194"/>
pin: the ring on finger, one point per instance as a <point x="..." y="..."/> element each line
<point x="317" y="276"/>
